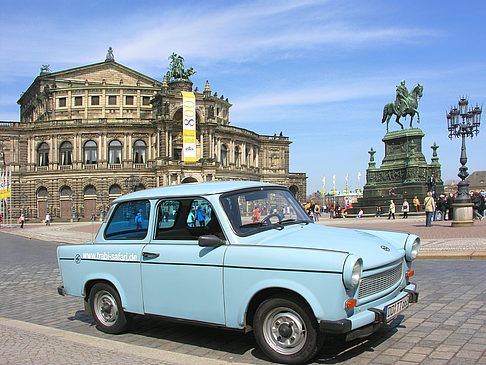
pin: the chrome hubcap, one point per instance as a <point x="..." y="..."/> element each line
<point x="284" y="331"/>
<point x="105" y="308"/>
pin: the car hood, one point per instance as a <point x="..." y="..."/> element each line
<point x="376" y="248"/>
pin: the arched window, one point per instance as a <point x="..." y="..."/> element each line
<point x="139" y="149"/>
<point x="114" y="152"/>
<point x="139" y="187"/>
<point x="89" y="190"/>
<point x="224" y="155"/>
<point x="115" y="189"/>
<point x="42" y="192"/>
<point x="90" y="152"/>
<point x="65" y="191"/>
<point x="66" y="153"/>
<point x="43" y="154"/>
<point x="237" y="157"/>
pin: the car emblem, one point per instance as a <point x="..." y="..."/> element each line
<point x="77" y="258"/>
<point x="383" y="247"/>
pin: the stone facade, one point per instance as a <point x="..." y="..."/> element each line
<point x="89" y="134"/>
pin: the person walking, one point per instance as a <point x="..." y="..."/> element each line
<point x="378" y="211"/>
<point x="22" y="221"/>
<point x="429" y="207"/>
<point x="478" y="207"/>
<point x="48" y="219"/>
<point x="416" y="204"/>
<point x="442" y="206"/>
<point x="391" y="212"/>
<point x="450" y="209"/>
<point x="405" y="209"/>
<point x="201" y="217"/>
<point x="317" y="212"/>
<point x="139" y="219"/>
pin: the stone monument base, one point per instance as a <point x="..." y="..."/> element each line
<point x="462" y="215"/>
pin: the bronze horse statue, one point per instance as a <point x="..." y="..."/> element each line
<point x="410" y="107"/>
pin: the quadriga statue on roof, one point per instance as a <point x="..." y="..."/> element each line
<point x="405" y="104"/>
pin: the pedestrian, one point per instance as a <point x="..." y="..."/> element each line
<point x="22" y="220"/>
<point x="317" y="212"/>
<point x="201" y="217"/>
<point x="405" y="208"/>
<point x="139" y="219"/>
<point x="360" y="213"/>
<point x="431" y="184"/>
<point x="391" y="208"/>
<point x="429" y="207"/>
<point x="416" y="204"/>
<point x="442" y="207"/>
<point x="436" y="201"/>
<point x="48" y="219"/>
<point x="256" y="215"/>
<point x="331" y="212"/>
<point x="478" y="207"/>
<point x="450" y="208"/>
<point x="378" y="211"/>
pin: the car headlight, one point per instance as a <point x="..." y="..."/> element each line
<point x="353" y="268"/>
<point x="412" y="247"/>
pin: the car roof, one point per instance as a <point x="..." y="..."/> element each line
<point x="194" y="189"/>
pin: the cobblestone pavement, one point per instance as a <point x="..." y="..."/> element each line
<point x="448" y="325"/>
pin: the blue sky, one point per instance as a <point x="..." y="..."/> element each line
<point x="319" y="71"/>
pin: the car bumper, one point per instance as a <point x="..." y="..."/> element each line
<point x="365" y="323"/>
<point x="61" y="290"/>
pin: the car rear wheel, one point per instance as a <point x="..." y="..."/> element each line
<point x="286" y="330"/>
<point x="106" y="309"/>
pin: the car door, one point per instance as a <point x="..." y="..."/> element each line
<point x="179" y="278"/>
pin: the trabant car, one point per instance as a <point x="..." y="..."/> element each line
<point x="240" y="255"/>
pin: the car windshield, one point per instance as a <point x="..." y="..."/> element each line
<point x="252" y="211"/>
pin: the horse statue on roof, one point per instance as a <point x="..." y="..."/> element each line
<point x="405" y="104"/>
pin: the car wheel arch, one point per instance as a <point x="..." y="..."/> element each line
<point x="268" y="293"/>
<point x="89" y="285"/>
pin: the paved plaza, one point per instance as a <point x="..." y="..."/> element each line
<point x="448" y="325"/>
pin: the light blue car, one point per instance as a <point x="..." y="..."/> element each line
<point x="240" y="255"/>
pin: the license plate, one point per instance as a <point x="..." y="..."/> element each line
<point x="393" y="309"/>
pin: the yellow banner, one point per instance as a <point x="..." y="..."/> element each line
<point x="189" y="126"/>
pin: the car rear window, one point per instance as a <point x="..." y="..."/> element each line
<point x="129" y="221"/>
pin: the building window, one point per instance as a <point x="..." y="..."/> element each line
<point x="237" y="157"/>
<point x="224" y="155"/>
<point x="66" y="153"/>
<point x="145" y="100"/>
<point x="90" y="152"/>
<point x="115" y="189"/>
<point x="43" y="154"/>
<point x="95" y="100"/>
<point x="129" y="100"/>
<point x="139" y="149"/>
<point x="177" y="154"/>
<point x="78" y="101"/>
<point x="90" y="190"/>
<point x="111" y="99"/>
<point x="66" y="191"/>
<point x="62" y="102"/>
<point x="114" y="152"/>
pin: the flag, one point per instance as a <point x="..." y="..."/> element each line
<point x="323" y="185"/>
<point x="189" y="126"/>
<point x="333" y="184"/>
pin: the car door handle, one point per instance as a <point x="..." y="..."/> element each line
<point x="150" y="255"/>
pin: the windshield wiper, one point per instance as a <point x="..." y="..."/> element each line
<point x="262" y="224"/>
<point x="293" y="221"/>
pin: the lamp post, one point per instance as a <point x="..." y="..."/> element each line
<point x="131" y="183"/>
<point x="465" y="126"/>
<point x="73" y="207"/>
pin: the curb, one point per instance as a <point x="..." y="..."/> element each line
<point x="452" y="255"/>
<point x="166" y="356"/>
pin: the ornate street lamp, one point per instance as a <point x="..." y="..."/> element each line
<point x="74" y="208"/>
<point x="463" y="122"/>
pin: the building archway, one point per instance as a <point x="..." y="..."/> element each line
<point x="89" y="201"/>
<point x="294" y="190"/>
<point x="188" y="180"/>
<point x="42" y="196"/>
<point x="65" y="202"/>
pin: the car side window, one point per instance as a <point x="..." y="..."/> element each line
<point x="190" y="219"/>
<point x="129" y="221"/>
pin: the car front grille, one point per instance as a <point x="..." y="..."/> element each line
<point x="382" y="281"/>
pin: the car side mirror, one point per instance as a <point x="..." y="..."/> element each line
<point x="210" y="240"/>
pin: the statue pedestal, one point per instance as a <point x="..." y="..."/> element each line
<point x="462" y="215"/>
<point x="402" y="175"/>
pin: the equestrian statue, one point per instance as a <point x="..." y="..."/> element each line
<point x="405" y="104"/>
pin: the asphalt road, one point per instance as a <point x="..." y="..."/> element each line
<point x="448" y="325"/>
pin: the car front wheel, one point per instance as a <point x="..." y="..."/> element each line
<point x="106" y="309"/>
<point x="286" y="330"/>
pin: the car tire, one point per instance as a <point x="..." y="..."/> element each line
<point x="286" y="330"/>
<point x="106" y="309"/>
